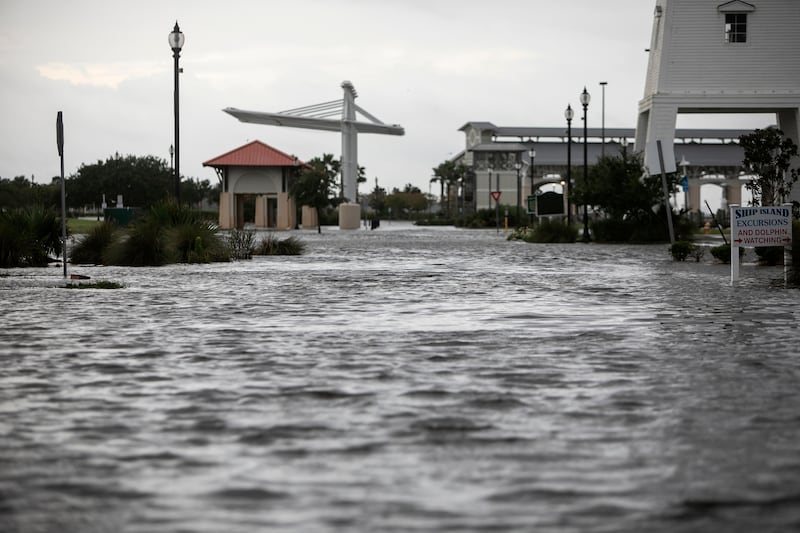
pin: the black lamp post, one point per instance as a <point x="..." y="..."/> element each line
<point x="603" y="119"/>
<point x="585" y="103"/>
<point x="532" y="158"/>
<point x="568" y="114"/>
<point x="518" y="167"/>
<point x="176" y="41"/>
<point x="497" y="199"/>
<point x="489" y="206"/>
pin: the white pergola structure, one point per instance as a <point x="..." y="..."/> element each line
<point x="319" y="117"/>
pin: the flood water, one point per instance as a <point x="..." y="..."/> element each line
<point x="403" y="379"/>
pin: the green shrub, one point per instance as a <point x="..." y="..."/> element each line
<point x="196" y="241"/>
<point x="167" y="233"/>
<point x="271" y="245"/>
<point x="545" y="231"/>
<point x="770" y="255"/>
<point x="241" y="243"/>
<point x="29" y="236"/>
<point x="723" y="252"/>
<point x="680" y="250"/>
<point x="89" y="250"/>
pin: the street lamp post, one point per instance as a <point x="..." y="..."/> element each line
<point x="176" y="40"/>
<point x="489" y="189"/>
<point x="603" y="120"/>
<point x="518" y="167"/>
<point x="568" y="114"/>
<point x="532" y="157"/>
<point x="497" y="200"/>
<point x="585" y="103"/>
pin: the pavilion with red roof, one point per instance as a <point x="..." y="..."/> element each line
<point x="257" y="173"/>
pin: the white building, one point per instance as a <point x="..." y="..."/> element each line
<point x="713" y="56"/>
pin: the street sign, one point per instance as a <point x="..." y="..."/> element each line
<point x="758" y="226"/>
<point x="761" y="226"/>
<point x="496" y="195"/>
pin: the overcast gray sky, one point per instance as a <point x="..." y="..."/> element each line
<point x="429" y="65"/>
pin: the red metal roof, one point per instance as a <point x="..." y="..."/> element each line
<point x="254" y="154"/>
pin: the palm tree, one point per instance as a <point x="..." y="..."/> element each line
<point x="436" y="178"/>
<point x="448" y="173"/>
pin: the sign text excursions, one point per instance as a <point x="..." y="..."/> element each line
<point x="761" y="226"/>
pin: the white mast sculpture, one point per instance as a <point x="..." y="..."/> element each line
<point x="319" y="117"/>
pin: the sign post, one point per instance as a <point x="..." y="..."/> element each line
<point x="60" y="145"/>
<point x="496" y="196"/>
<point x="758" y="226"/>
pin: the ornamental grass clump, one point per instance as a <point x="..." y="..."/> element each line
<point x="271" y="245"/>
<point x="167" y="233"/>
<point x="29" y="236"/>
<point x="241" y="244"/>
<point x="546" y="231"/>
<point x="89" y="250"/>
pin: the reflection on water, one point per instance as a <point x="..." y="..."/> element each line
<point x="403" y="379"/>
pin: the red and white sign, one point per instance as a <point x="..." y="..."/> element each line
<point x="761" y="226"/>
<point x="758" y="226"/>
<point x="496" y="195"/>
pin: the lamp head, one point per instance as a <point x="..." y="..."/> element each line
<point x="585" y="97"/>
<point x="569" y="113"/>
<point x="176" y="38"/>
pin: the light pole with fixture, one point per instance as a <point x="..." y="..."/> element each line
<point x="603" y="120"/>
<point x="176" y="40"/>
<point x="497" y="199"/>
<point x="489" y="189"/>
<point x="585" y="97"/>
<point x="568" y="114"/>
<point x="518" y="167"/>
<point x="532" y="158"/>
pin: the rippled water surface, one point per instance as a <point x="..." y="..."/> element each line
<point x="403" y="380"/>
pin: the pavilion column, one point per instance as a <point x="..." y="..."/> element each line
<point x="732" y="191"/>
<point x="694" y="196"/>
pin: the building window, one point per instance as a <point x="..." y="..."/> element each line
<point x="735" y="27"/>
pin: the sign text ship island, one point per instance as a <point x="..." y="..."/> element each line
<point x="763" y="226"/>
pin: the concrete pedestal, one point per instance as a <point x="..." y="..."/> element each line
<point x="349" y="216"/>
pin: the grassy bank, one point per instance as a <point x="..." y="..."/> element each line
<point x="81" y="225"/>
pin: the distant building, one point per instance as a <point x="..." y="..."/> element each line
<point x="713" y="56"/>
<point x="492" y="153"/>
<point x="255" y="184"/>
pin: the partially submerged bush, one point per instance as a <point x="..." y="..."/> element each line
<point x="546" y="231"/>
<point x="141" y="244"/>
<point x="770" y="255"/>
<point x="241" y="243"/>
<point x="680" y="250"/>
<point x="197" y="242"/>
<point x="89" y="250"/>
<point x="167" y="233"/>
<point x="722" y="253"/>
<point x="29" y="236"/>
<point x="271" y="245"/>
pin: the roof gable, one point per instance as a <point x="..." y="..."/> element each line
<point x="254" y="154"/>
<point x="484" y="126"/>
<point x="736" y="6"/>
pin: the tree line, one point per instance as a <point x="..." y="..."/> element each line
<point x="142" y="182"/>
